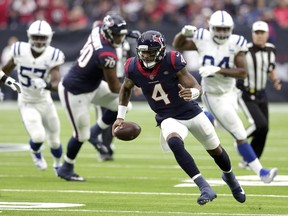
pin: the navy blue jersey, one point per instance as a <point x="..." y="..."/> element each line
<point x="86" y="73"/>
<point x="160" y="87"/>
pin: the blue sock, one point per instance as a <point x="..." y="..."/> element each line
<point x="247" y="152"/>
<point x="94" y="132"/>
<point x="57" y="153"/>
<point x="73" y="148"/>
<point x="184" y="159"/>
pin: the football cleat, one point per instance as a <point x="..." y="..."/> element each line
<point x="39" y="160"/>
<point x="267" y="176"/>
<point x="66" y="172"/>
<point x="105" y="157"/>
<point x="56" y="166"/>
<point x="207" y="195"/>
<point x="236" y="189"/>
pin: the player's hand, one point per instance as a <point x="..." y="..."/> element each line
<point x="13" y="84"/>
<point x="208" y="70"/>
<point x="39" y="83"/>
<point x="117" y="123"/>
<point x="188" y="30"/>
<point x="188" y="94"/>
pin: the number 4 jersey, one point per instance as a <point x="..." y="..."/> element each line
<point x="29" y="67"/>
<point x="160" y="87"/>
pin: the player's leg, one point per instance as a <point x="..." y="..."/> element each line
<point x="226" y="115"/>
<point x="79" y="116"/>
<point x="174" y="133"/>
<point x="52" y="126"/>
<point x="204" y="132"/>
<point x="103" y="142"/>
<point x="33" y="124"/>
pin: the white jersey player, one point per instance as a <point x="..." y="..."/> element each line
<point x="222" y="60"/>
<point x="37" y="65"/>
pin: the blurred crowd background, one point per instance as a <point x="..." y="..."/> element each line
<point x="72" y="21"/>
<point x="78" y="14"/>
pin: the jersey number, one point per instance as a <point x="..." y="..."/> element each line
<point x="159" y="94"/>
<point x="210" y="60"/>
<point x="26" y="72"/>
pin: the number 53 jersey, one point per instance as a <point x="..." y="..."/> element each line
<point x="29" y="68"/>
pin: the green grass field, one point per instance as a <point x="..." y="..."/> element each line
<point x="141" y="180"/>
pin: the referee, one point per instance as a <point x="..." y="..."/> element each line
<point x="261" y="66"/>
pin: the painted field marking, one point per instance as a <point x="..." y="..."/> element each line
<point x="248" y="180"/>
<point x="35" y="205"/>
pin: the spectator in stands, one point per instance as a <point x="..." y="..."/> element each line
<point x="24" y="10"/>
<point x="57" y="14"/>
<point x="77" y="18"/>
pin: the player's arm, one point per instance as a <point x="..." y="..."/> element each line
<point x="111" y="78"/>
<point x="9" y="81"/>
<point x="55" y="78"/>
<point x="181" y="41"/>
<point x="124" y="98"/>
<point x="189" y="88"/>
<point x="240" y="71"/>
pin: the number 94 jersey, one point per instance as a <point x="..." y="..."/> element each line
<point x="222" y="56"/>
<point x="29" y="67"/>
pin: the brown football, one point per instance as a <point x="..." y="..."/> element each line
<point x="128" y="131"/>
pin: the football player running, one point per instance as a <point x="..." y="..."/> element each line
<point x="84" y="85"/>
<point x="171" y="92"/>
<point x="38" y="66"/>
<point x="222" y="60"/>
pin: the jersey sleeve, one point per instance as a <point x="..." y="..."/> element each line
<point x="177" y="60"/>
<point x="108" y="58"/>
<point x="240" y="43"/>
<point x="58" y="57"/>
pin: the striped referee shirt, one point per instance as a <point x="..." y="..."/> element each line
<point x="260" y="62"/>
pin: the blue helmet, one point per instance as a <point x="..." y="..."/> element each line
<point x="151" y="41"/>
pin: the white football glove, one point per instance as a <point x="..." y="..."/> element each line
<point x="38" y="83"/>
<point x="208" y="70"/>
<point x="13" y="84"/>
<point x="188" y="30"/>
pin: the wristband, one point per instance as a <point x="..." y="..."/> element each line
<point x="2" y="75"/>
<point x="195" y="93"/>
<point x="122" y="110"/>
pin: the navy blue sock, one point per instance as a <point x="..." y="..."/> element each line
<point x="94" y="132"/>
<point x="73" y="148"/>
<point x="184" y="159"/>
<point x="57" y="153"/>
<point x="35" y="146"/>
<point x="247" y="152"/>
<point x="223" y="161"/>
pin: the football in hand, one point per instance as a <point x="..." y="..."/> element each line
<point x="127" y="131"/>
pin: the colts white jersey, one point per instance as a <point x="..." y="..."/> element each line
<point x="222" y="55"/>
<point x="29" y="67"/>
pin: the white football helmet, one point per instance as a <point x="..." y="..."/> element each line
<point x="221" y="26"/>
<point x="39" y="35"/>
